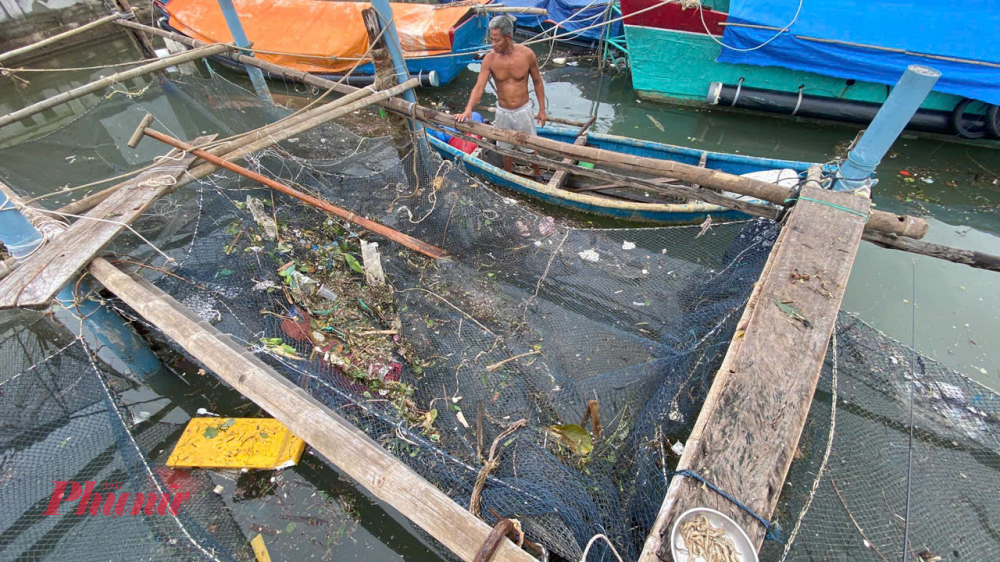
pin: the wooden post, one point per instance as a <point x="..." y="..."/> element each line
<point x="334" y="437"/>
<point x="56" y="38"/>
<point x="103" y="83"/>
<point x="749" y="427"/>
<point x="139" y="38"/>
<point x="385" y="77"/>
<point x="881" y="221"/>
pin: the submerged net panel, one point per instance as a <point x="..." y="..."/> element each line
<point x="859" y="506"/>
<point x="62" y="427"/>
<point x="635" y="319"/>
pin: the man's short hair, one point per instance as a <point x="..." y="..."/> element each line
<point x="504" y="23"/>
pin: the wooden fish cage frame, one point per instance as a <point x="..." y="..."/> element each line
<point x="746" y="434"/>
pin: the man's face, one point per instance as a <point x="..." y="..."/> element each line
<point x="499" y="40"/>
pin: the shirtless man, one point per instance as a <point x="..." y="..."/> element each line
<point x="510" y="64"/>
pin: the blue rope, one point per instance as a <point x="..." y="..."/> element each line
<point x="828" y="204"/>
<point x="773" y="532"/>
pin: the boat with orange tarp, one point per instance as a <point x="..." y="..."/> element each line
<point x="327" y="38"/>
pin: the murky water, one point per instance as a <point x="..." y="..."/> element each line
<point x="949" y="312"/>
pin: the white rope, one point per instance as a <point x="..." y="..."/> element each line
<point x="701" y="14"/>
<point x="826" y="455"/>
<point x="602" y="24"/>
<point x="591" y="542"/>
<point x="142" y="456"/>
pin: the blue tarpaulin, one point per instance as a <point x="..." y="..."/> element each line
<point x="575" y="15"/>
<point x="913" y="28"/>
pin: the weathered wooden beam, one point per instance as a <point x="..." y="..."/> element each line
<point x="44" y="274"/>
<point x="902" y="225"/>
<point x="971" y="258"/>
<point x="4" y="57"/>
<point x="559" y="178"/>
<point x="103" y="83"/>
<point x="323" y="429"/>
<point x="749" y="427"/>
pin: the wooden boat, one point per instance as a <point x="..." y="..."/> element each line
<point x="438" y="41"/>
<point x="818" y="69"/>
<point x="623" y="203"/>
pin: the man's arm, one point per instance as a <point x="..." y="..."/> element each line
<point x="477" y="91"/>
<point x="536" y="78"/>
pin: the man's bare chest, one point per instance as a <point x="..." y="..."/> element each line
<point x="513" y="68"/>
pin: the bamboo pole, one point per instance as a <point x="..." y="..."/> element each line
<point x="334" y="437"/>
<point x="261" y="138"/>
<point x="394" y="235"/>
<point x="103" y="83"/>
<point x="4" y="57"/>
<point x="902" y="225"/>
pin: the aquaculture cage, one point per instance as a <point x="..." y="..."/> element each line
<point x="529" y="319"/>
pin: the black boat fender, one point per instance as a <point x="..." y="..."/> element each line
<point x="975" y="129"/>
<point x="993" y="121"/>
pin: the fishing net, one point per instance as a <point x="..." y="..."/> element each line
<point x="529" y="319"/>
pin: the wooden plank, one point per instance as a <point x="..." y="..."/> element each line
<point x="748" y="429"/>
<point x="334" y="437"/>
<point x="40" y="277"/>
<point x="559" y="178"/>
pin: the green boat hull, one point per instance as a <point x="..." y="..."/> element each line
<point x="678" y="66"/>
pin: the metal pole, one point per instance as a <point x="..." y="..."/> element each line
<point x="895" y="113"/>
<point x="240" y="37"/>
<point x="110" y="330"/>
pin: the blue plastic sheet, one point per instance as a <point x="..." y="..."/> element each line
<point x="961" y="30"/>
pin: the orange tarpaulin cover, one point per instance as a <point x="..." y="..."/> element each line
<point x="316" y="31"/>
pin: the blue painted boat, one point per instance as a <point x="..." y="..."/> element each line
<point x="437" y="41"/>
<point x="653" y="212"/>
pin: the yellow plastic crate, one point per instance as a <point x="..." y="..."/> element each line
<point x="236" y="443"/>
